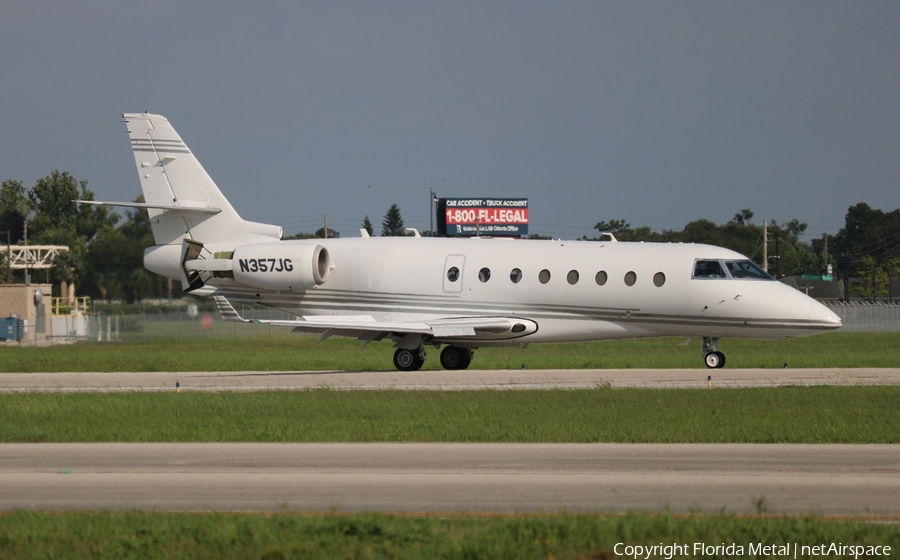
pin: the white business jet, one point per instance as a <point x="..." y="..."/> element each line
<point x="459" y="294"/>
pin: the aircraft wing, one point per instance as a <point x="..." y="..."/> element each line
<point x="368" y="328"/>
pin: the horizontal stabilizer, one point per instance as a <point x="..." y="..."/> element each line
<point x="181" y="205"/>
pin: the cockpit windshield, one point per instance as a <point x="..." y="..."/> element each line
<point x="740" y="270"/>
<point x="747" y="269"/>
<point x="708" y="269"/>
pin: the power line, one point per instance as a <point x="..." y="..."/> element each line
<point x="889" y="239"/>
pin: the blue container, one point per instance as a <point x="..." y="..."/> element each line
<point x="11" y="328"/>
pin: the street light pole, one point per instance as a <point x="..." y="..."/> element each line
<point x="431" y="211"/>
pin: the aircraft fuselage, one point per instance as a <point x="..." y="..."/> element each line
<point x="573" y="290"/>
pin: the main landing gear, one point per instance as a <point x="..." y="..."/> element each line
<point x="409" y="360"/>
<point x="452" y="357"/>
<point x="711" y="355"/>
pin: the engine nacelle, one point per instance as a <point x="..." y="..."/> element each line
<point x="281" y="266"/>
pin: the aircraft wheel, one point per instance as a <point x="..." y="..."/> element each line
<point x="408" y="360"/>
<point x="467" y="359"/>
<point x="454" y="357"/>
<point x="715" y="360"/>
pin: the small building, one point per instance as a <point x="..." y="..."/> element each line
<point x="31" y="303"/>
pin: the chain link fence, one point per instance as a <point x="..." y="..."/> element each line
<point x="155" y="324"/>
<point x="159" y="325"/>
<point x="867" y="317"/>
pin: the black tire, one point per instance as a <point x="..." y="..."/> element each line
<point x="721" y="360"/>
<point x="451" y="357"/>
<point x="454" y="357"/>
<point x="714" y="360"/>
<point x="408" y="360"/>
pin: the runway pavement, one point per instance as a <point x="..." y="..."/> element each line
<point x="497" y="478"/>
<point x="493" y="478"/>
<point x="445" y="380"/>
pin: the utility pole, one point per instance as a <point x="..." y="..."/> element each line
<point x="777" y="256"/>
<point x="8" y="259"/>
<point x="874" y="295"/>
<point x="27" y="272"/>
<point x="765" y="245"/>
<point x="431" y="211"/>
<point x="846" y="279"/>
<point x="326" y="226"/>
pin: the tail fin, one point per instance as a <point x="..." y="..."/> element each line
<point x="181" y="198"/>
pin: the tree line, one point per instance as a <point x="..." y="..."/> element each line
<point x="105" y="257"/>
<point x="865" y="253"/>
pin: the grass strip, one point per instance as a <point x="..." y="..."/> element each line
<point x="122" y="536"/>
<point x="765" y="415"/>
<point x="300" y="352"/>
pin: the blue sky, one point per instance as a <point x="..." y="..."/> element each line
<point x="656" y="112"/>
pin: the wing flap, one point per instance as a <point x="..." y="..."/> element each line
<point x="450" y="331"/>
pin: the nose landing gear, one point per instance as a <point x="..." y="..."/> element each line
<point x="709" y="349"/>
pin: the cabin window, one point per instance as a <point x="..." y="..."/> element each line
<point x="601" y="278"/>
<point x="630" y="278"/>
<point x="747" y="270"/>
<point x="708" y="269"/>
<point x="544" y="276"/>
<point x="484" y="274"/>
<point x="515" y="275"/>
<point x="572" y="277"/>
<point x="453" y="274"/>
<point x="659" y="279"/>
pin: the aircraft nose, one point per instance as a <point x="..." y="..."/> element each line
<point x="806" y="314"/>
<point x="821" y="315"/>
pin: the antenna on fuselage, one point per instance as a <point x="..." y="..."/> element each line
<point x="610" y="234"/>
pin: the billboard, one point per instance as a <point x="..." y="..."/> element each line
<point x="495" y="217"/>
